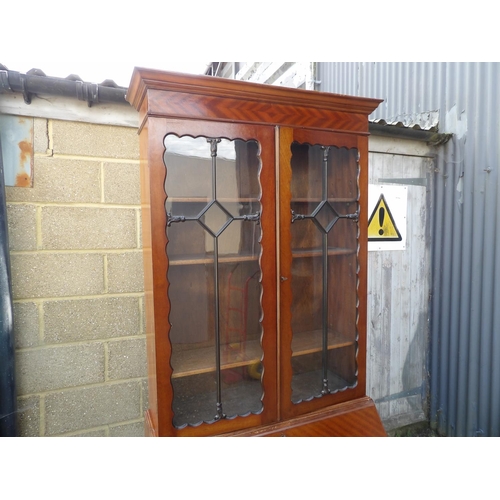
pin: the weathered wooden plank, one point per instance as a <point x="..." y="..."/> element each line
<point x="398" y="289"/>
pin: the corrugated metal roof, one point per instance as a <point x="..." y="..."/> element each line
<point x="410" y="124"/>
<point x="428" y="120"/>
<point x="415" y="132"/>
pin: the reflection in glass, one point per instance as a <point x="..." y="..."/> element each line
<point x="324" y="269"/>
<point x="213" y="227"/>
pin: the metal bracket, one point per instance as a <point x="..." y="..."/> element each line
<point x="87" y="92"/>
<point x="15" y="80"/>
<point x="174" y="218"/>
<point x="414" y="181"/>
<point x="354" y="216"/>
<point x="213" y="145"/>
<point x="4" y="81"/>
<point x="252" y="217"/>
<point x="299" y="216"/>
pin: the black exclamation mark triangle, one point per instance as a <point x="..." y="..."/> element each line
<point x="381" y="214"/>
<point x="382" y="227"/>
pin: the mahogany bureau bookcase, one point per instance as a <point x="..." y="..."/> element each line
<point x="254" y="226"/>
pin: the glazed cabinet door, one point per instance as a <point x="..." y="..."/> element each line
<point x="320" y="263"/>
<point x="218" y="191"/>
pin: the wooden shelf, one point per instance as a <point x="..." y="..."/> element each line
<point x="298" y="254"/>
<point x="202" y="260"/>
<point x="318" y="200"/>
<point x="208" y="200"/>
<point x="228" y="259"/>
<point x="311" y="342"/>
<point x="198" y="361"/>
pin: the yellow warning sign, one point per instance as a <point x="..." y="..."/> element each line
<point x="381" y="225"/>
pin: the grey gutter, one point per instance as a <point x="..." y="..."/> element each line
<point x="8" y="402"/>
<point x="33" y="84"/>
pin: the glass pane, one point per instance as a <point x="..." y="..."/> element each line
<point x="193" y="341"/>
<point x="240" y="327"/>
<point x="187" y="241"/>
<point x="188" y="164"/>
<point x="215" y="218"/>
<point x="237" y="176"/>
<point x="307" y="182"/>
<point x="214" y="277"/>
<point x="343" y="174"/>
<point x="306" y="326"/>
<point x="342" y="320"/>
<point x="324" y="248"/>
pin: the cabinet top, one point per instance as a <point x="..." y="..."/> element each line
<point x="150" y="90"/>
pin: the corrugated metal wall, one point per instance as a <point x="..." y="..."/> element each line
<point x="465" y="301"/>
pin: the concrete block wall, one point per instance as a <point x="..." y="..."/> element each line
<point x="77" y="282"/>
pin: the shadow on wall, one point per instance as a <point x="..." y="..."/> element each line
<point x="415" y="375"/>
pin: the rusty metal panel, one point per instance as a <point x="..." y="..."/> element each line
<point x="16" y="133"/>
